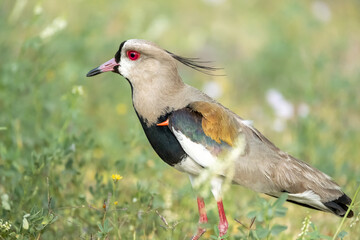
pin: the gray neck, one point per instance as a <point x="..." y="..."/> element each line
<point x="150" y="103"/>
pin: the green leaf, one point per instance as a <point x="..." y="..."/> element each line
<point x="216" y="230"/>
<point x="317" y="235"/>
<point x="280" y="211"/>
<point x="280" y="201"/>
<point x="100" y="227"/>
<point x="262" y="232"/>
<point x="324" y="237"/>
<point x="342" y="234"/>
<point x="106" y="225"/>
<point x="40" y="227"/>
<point x="276" y="229"/>
<point x="252" y="214"/>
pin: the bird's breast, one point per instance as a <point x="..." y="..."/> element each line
<point x="164" y="142"/>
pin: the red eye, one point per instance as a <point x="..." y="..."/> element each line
<point x="133" y="55"/>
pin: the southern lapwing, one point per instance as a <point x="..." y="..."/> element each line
<point x="192" y="132"/>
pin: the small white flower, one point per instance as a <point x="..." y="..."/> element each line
<point x="214" y="2"/>
<point x="78" y="90"/>
<point x="279" y="124"/>
<point x="38" y="9"/>
<point x="25" y="224"/>
<point x="303" y="110"/>
<point x="282" y="108"/>
<point x="355" y="221"/>
<point x="305" y="228"/>
<point x="57" y="25"/>
<point x="72" y="147"/>
<point x="4" y="227"/>
<point x="321" y="11"/>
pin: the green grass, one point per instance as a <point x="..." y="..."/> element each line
<point x="62" y="136"/>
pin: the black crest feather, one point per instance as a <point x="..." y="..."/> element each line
<point x="196" y="64"/>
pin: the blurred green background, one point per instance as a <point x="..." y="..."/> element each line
<point x="292" y="67"/>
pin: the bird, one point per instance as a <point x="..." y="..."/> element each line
<point x="193" y="133"/>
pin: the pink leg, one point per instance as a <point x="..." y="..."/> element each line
<point x="203" y="218"/>
<point x="223" y="224"/>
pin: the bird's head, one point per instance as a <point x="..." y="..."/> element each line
<point x="143" y="62"/>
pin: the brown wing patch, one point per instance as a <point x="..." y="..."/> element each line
<point x="217" y="123"/>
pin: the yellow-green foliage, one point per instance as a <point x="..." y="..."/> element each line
<point x="63" y="136"/>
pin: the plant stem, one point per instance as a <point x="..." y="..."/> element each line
<point x="347" y="212"/>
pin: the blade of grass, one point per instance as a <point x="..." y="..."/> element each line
<point x="347" y="212"/>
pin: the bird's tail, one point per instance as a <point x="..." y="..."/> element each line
<point x="339" y="206"/>
<point x="311" y="200"/>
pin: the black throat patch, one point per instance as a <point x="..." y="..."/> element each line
<point x="163" y="141"/>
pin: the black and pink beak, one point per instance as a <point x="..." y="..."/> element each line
<point x="109" y="66"/>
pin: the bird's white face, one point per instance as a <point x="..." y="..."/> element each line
<point x="139" y="62"/>
<point x="131" y="59"/>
